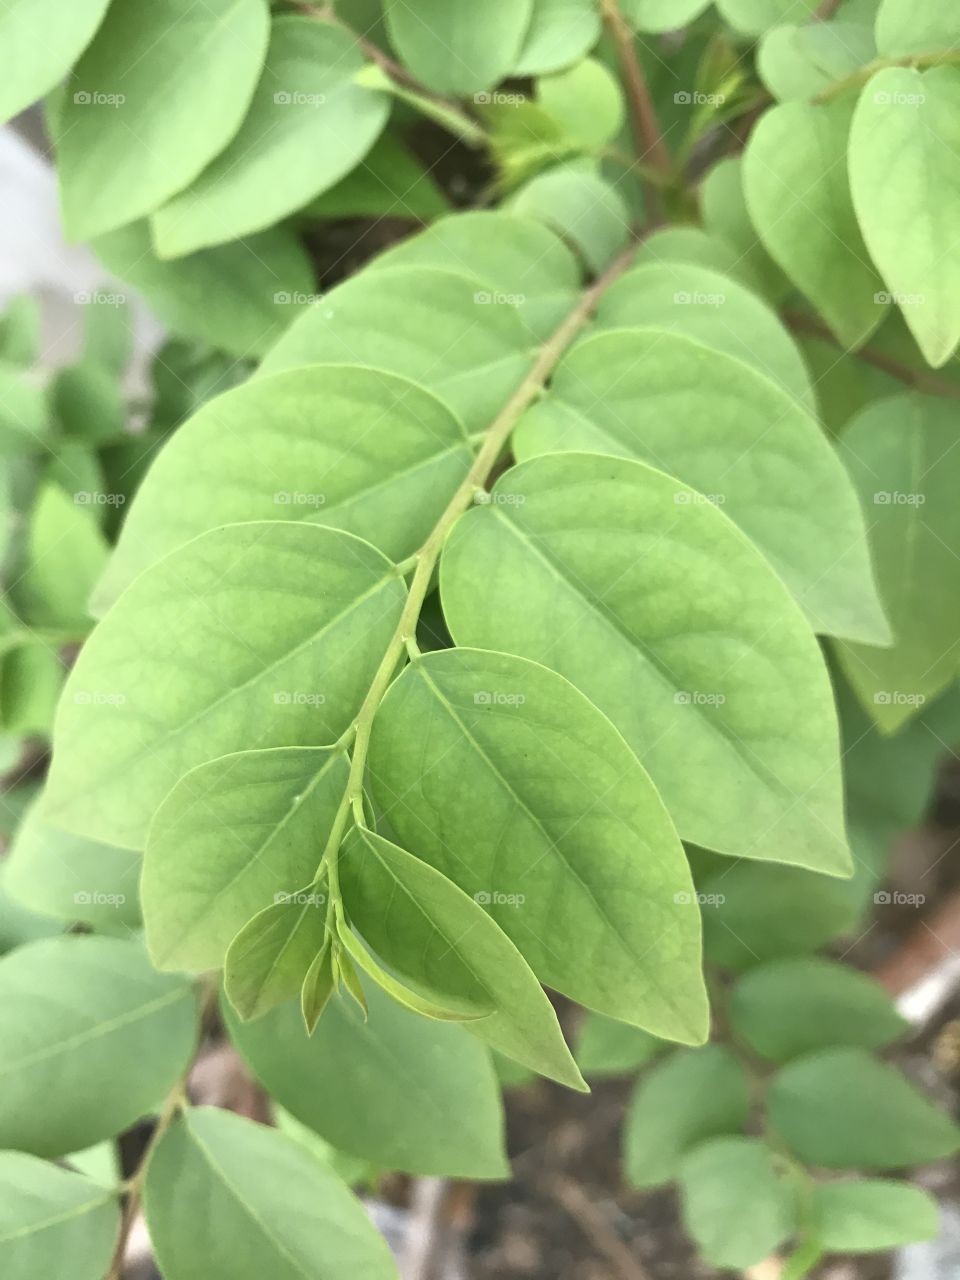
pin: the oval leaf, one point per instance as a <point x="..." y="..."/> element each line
<point x="684" y="636"/>
<point x="559" y="834"/>
<point x="228" y="636"/>
<point x="436" y="935"/>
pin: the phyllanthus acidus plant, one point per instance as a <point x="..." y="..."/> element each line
<point x="565" y="598"/>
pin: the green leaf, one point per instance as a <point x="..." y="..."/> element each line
<point x="678" y="1103"/>
<point x="586" y="101"/>
<point x="155" y="97"/>
<point x="661" y="15"/>
<point x="455" y="46"/>
<point x="380" y="460"/>
<point x="655" y="583"/>
<point x="108" y="333"/>
<point x="87" y="400"/>
<point x="580" y="207"/>
<point x="53" y="1222"/>
<point x="232" y="835"/>
<point x="800" y="62"/>
<point x="761" y="912"/>
<point x="713" y="309"/>
<point x="514" y="257"/>
<point x="66" y="553"/>
<point x="606" y="1047"/>
<point x="753" y="17"/>
<point x="694" y="245"/>
<point x="725" y="217"/>
<point x="21" y="319"/>
<point x="399" y="1090"/>
<point x="902" y="459"/>
<point x="560" y="31"/>
<point x="229" y="635"/>
<point x="627" y="393"/>
<point x="237" y="296"/>
<point x="905" y="180"/>
<point x="443" y="941"/>
<point x="319" y="986"/>
<point x="916" y="26"/>
<point x="439" y="328"/>
<point x="389" y="183"/>
<point x="795" y="180"/>
<point x="308" y="125"/>
<point x="354" y="959"/>
<point x="529" y="838"/>
<point x="844" y="1110"/>
<point x="267" y="961"/>
<point x="72" y="878"/>
<point x="262" y="1204"/>
<point x="93" y="1037"/>
<point x="717" y="1181"/>
<point x="871" y="1215"/>
<point x="41" y="41"/>
<point x="794" y="1006"/>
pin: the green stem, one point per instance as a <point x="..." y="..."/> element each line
<point x="402" y="644"/>
<point x="443" y="111"/>
<point x="857" y="79"/>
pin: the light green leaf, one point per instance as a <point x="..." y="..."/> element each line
<point x="443" y="941"/>
<point x="661" y="15"/>
<point x="93" y="1037"/>
<point x="905" y="180"/>
<point x="902" y="458"/>
<point x="237" y="296"/>
<point x="232" y="835"/>
<point x="800" y="62"/>
<point x="41" y="40"/>
<point x="795" y="179"/>
<point x="586" y="101"/>
<point x="319" y="986"/>
<point x="606" y="1047"/>
<point x="514" y="257"/>
<point x="560" y="31"/>
<point x="262" y="1204"/>
<point x="757" y="912"/>
<point x="582" y="209"/>
<point x="402" y="1091"/>
<point x="791" y="1007"/>
<point x="66" y="554"/>
<point x="439" y="328"/>
<point x="715" y="310"/>
<point x="694" y="245"/>
<point x="308" y="125"/>
<point x="350" y="448"/>
<point x="725" y="217"/>
<point x="53" y="1222"/>
<point x="453" y="1009"/>
<point x="263" y="633"/>
<point x="753" y="17"/>
<point x="843" y="1109"/>
<point x="549" y="822"/>
<point x="870" y="1215"/>
<point x="267" y="961"/>
<point x="690" y="1096"/>
<point x="685" y="638"/>
<point x="156" y="96"/>
<point x="389" y="182"/>
<point x="916" y="26"/>
<point x="718" y="1180"/>
<point x="456" y="46"/>
<point x="72" y="878"/>
<point x="87" y="400"/>
<point x="108" y="331"/>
